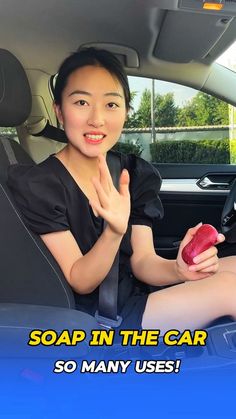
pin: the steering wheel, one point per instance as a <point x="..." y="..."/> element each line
<point x="228" y="217"/>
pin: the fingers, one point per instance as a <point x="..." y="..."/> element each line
<point x="211" y="269"/>
<point x="201" y="275"/>
<point x="106" y="179"/>
<point x="189" y="235"/>
<point x="220" y="238"/>
<point x="101" y="193"/>
<point x="96" y="207"/>
<point x="124" y="183"/>
<point x="204" y="256"/>
<point x="104" y="184"/>
<point x="92" y="204"/>
<point x="206" y="262"/>
<point x="105" y="176"/>
<point x="211" y="265"/>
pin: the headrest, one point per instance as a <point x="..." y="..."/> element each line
<point x="15" y="94"/>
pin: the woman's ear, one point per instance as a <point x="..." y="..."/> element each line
<point x="57" y="110"/>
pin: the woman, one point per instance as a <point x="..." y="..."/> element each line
<point x="66" y="198"/>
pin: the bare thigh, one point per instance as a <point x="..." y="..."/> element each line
<point x="227" y="263"/>
<point x="192" y="304"/>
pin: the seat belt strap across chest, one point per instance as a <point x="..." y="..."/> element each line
<point x="106" y="314"/>
<point x="9" y="151"/>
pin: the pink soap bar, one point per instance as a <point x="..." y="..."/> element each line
<point x="205" y="237"/>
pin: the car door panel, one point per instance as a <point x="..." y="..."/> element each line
<point x="187" y="203"/>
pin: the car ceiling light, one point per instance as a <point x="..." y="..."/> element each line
<point x="213" y="4"/>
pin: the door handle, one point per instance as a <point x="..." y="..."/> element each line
<point x="206" y="183"/>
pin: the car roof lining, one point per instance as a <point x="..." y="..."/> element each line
<point x="146" y="35"/>
<point x="156" y="25"/>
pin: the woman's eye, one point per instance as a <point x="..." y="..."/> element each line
<point x="112" y="105"/>
<point x="81" y="102"/>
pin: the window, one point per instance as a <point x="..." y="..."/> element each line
<point x="9" y="132"/>
<point x="171" y="123"/>
<point x="228" y="58"/>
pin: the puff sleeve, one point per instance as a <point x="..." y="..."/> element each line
<point x="40" y="196"/>
<point x="145" y="183"/>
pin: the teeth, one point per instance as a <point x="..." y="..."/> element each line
<point x="94" y="137"/>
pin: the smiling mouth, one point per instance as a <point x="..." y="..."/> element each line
<point x="94" y="138"/>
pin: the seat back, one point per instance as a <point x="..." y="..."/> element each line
<point x="31" y="134"/>
<point x="28" y="272"/>
<point x="10" y="150"/>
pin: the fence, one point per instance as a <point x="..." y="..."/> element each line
<point x="186" y="138"/>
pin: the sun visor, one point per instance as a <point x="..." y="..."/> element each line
<point x="189" y="36"/>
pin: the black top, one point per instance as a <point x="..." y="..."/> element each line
<point x="50" y="200"/>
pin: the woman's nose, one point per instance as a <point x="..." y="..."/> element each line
<point x="96" y="118"/>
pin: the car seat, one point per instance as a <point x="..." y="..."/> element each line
<point x="32" y="287"/>
<point x="28" y="272"/>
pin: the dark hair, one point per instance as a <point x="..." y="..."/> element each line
<point x="96" y="57"/>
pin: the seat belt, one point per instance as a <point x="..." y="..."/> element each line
<point x="9" y="150"/>
<point x="106" y="314"/>
<point x="42" y="128"/>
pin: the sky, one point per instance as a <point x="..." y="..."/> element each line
<point x="181" y="94"/>
<point x="228" y="59"/>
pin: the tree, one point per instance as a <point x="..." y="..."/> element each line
<point x="204" y="109"/>
<point x="132" y="121"/>
<point x="143" y="114"/>
<point x="165" y="111"/>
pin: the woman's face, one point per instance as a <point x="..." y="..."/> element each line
<point x="93" y="110"/>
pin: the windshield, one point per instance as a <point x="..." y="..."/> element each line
<point x="228" y="58"/>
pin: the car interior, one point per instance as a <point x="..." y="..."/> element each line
<point x="171" y="40"/>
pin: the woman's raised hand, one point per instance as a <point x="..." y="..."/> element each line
<point x="112" y="205"/>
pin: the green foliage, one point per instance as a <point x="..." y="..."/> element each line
<point x="142" y="117"/>
<point x="165" y="111"/>
<point x="233" y="151"/>
<point x="131" y="122"/>
<point x="192" y="151"/>
<point x="204" y="109"/>
<point x="129" y="147"/>
<point x="11" y="132"/>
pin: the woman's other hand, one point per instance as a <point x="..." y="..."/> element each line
<point x="112" y="205"/>
<point x="205" y="264"/>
